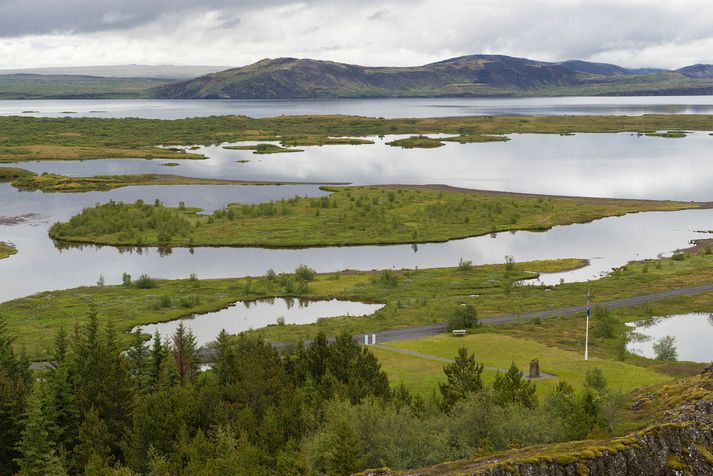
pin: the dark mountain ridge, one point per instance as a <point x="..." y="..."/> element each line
<point x="472" y="75"/>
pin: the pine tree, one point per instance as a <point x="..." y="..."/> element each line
<point x="185" y="354"/>
<point x="157" y="355"/>
<point x="138" y="357"/>
<point x="38" y="452"/>
<point x="463" y="378"/>
<point x="511" y="388"/>
<point x="15" y="385"/>
<point x="346" y="456"/>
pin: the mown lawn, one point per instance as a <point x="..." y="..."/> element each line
<point x="499" y="350"/>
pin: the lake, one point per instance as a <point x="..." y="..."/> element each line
<point x="388" y="108"/>
<point x="693" y="333"/>
<point x="607" y="165"/>
<point x="245" y="315"/>
<point x="600" y="165"/>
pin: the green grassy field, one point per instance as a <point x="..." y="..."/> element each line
<point x="500" y="350"/>
<point x="6" y="250"/>
<point x="27" y="138"/>
<point x="350" y="216"/>
<point x="35" y="86"/>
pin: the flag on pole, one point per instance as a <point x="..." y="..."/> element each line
<point x="589" y="306"/>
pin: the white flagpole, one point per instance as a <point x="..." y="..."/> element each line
<point x="586" y="332"/>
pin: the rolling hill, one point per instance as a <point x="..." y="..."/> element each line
<point x="474" y="75"/>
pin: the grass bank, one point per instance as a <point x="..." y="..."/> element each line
<point x="27" y="138"/>
<point x="26" y="180"/>
<point x="349" y="216"/>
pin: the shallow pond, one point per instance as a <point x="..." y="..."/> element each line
<point x="390" y="108"/>
<point x="693" y="333"/>
<point x="246" y="315"/>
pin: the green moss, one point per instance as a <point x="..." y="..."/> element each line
<point x="582" y="469"/>
<point x="565" y="460"/>
<point x="674" y="462"/>
<point x="707" y="455"/>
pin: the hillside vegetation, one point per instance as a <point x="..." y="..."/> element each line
<point x="475" y="75"/>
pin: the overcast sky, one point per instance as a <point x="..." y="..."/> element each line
<point x="632" y="33"/>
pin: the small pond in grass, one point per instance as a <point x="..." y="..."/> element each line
<point x="693" y="333"/>
<point x="245" y="315"/>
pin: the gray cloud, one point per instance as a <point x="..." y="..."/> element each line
<point x="668" y="33"/>
<point x="27" y="17"/>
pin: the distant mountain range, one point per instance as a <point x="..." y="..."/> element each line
<point x="475" y="75"/>
<point x="292" y="78"/>
<point x="122" y="71"/>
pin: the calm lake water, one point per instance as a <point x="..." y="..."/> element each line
<point x="608" y="165"/>
<point x="40" y="265"/>
<point x="601" y="165"/>
<point x="246" y="315"/>
<point x="693" y="333"/>
<point x="389" y="108"/>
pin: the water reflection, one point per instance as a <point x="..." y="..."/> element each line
<point x="603" y="165"/>
<point x="245" y="315"/>
<point x="389" y="108"/>
<point x="693" y="333"/>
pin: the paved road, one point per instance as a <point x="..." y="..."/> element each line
<point x="435" y="329"/>
<point x="542" y="376"/>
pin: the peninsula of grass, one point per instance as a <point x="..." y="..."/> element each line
<point x="26" y="180"/>
<point x="6" y="250"/>
<point x="263" y="148"/>
<point x="349" y="216"/>
<point x="416" y="142"/>
<point x="80" y="138"/>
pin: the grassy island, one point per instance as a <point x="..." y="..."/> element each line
<point x="28" y="138"/>
<point x="417" y="142"/>
<point x="263" y="148"/>
<point x="349" y="216"/>
<point x="26" y="180"/>
<point x="6" y="250"/>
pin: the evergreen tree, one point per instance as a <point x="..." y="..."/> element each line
<point x="356" y="369"/>
<point x="38" y="453"/>
<point x="463" y="378"/>
<point x="223" y="363"/>
<point x="157" y="355"/>
<point x="15" y="385"/>
<point x="346" y="455"/>
<point x="511" y="388"/>
<point x="185" y="354"/>
<point x="138" y="357"/>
